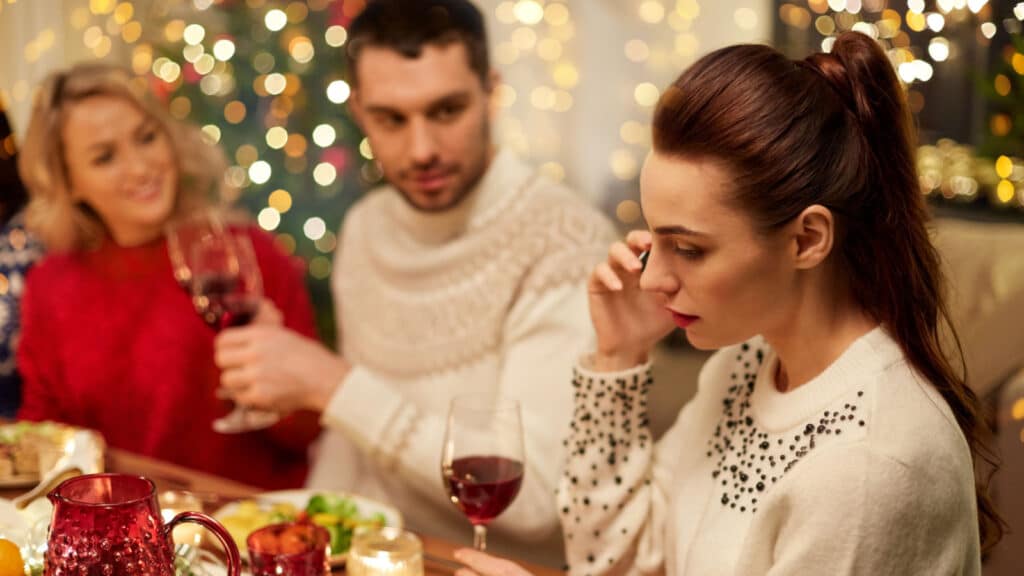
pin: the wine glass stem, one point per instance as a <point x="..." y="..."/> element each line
<point x="479" y="537"/>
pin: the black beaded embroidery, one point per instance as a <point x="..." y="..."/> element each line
<point x="749" y="461"/>
<point x="613" y="405"/>
<point x="607" y="414"/>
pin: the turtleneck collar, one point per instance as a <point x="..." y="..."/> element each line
<point x="504" y="178"/>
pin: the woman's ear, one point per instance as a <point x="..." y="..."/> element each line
<point x="814" y="232"/>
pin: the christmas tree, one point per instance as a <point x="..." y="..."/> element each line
<point x="266" y="80"/>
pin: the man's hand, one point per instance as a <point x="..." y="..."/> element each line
<point x="268" y="314"/>
<point x="265" y="365"/>
<point x="483" y="564"/>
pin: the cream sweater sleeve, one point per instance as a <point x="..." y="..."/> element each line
<point x="543" y="334"/>
<point x="613" y="496"/>
<point x="855" y="511"/>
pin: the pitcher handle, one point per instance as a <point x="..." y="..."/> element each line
<point x="230" y="549"/>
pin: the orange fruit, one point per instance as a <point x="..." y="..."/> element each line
<point x="11" y="563"/>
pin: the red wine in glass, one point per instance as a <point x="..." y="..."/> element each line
<point x="482" y="461"/>
<point x="483" y="486"/>
<point x="223" y="304"/>
<point x="238" y="312"/>
<point x="218" y="265"/>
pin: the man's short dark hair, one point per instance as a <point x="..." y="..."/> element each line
<point x="406" y="26"/>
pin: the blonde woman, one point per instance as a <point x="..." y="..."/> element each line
<point x="110" y="341"/>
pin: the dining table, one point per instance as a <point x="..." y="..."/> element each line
<point x="214" y="491"/>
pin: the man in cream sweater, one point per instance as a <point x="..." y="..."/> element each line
<point x="466" y="274"/>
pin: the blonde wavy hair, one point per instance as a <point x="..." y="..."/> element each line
<point x="61" y="222"/>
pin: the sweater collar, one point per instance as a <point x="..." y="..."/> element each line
<point x="117" y="261"/>
<point x="504" y="178"/>
<point x="867" y="356"/>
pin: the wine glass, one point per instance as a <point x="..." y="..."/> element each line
<point x="217" y="266"/>
<point x="226" y="283"/>
<point x="482" y="459"/>
<point x="181" y="234"/>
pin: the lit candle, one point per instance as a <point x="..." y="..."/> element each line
<point x="385" y="552"/>
<point x="174" y="502"/>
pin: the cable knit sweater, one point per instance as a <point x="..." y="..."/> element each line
<point x="861" y="471"/>
<point x="486" y="297"/>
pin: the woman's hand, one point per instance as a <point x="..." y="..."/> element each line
<point x="483" y="564"/>
<point x="628" y="320"/>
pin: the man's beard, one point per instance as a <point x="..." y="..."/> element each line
<point x="476" y="173"/>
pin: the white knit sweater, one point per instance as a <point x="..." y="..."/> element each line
<point x="861" y="471"/>
<point x="488" y="296"/>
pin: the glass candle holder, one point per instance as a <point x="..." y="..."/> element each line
<point x="388" y="551"/>
<point x="289" y="549"/>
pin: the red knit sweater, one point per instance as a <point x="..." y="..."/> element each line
<point x="111" y="342"/>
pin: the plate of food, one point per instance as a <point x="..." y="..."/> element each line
<point x="342" y="514"/>
<point x="30" y="449"/>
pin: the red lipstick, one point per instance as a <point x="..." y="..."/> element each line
<point x="683" y="320"/>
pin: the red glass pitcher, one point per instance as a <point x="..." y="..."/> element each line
<point x="106" y="524"/>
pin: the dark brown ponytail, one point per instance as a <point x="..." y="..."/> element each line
<point x="834" y="130"/>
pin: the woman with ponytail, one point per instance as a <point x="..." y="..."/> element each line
<point x="830" y="434"/>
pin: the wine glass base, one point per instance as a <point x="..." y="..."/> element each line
<point x="245" y="420"/>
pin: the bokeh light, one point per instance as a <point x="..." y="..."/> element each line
<point x="324" y="135"/>
<point x="325" y="174"/>
<point x="528" y="12"/>
<point x="336" y="36"/>
<point x="338" y="91"/>
<point x="260" y="172"/>
<point x="280" y="200"/>
<point x="277" y="137"/>
<point x="269" y="219"/>
<point x="646" y="94"/>
<point x="275" y="20"/>
<point x="314" y="228"/>
<point x="223" y="49"/>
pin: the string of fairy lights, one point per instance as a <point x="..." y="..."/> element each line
<point x="948" y="169"/>
<point x="530" y="32"/>
<point x="667" y="45"/>
<point x="539" y="33"/>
